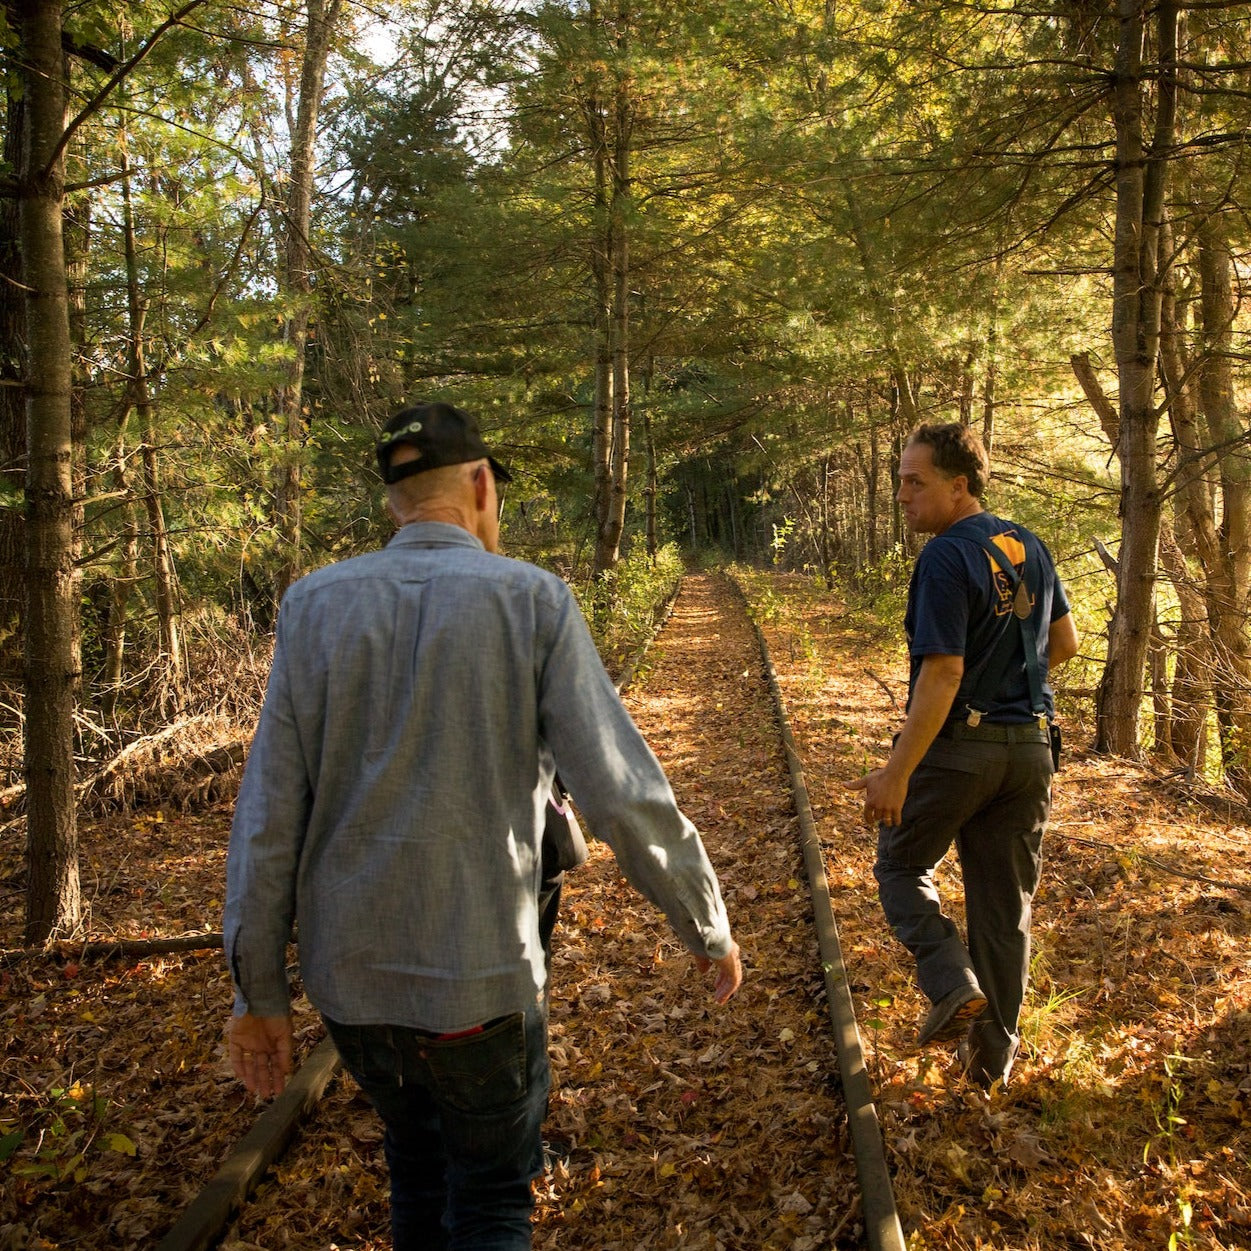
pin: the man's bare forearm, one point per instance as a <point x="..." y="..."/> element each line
<point x="936" y="688"/>
<point x="886" y="788"/>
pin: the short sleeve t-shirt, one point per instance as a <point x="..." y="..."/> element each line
<point x="960" y="602"/>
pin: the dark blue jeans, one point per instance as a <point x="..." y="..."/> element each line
<point x="463" y="1121"/>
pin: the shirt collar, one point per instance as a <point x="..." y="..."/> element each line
<point x="434" y="534"/>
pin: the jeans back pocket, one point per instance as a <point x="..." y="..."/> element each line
<point x="481" y="1072"/>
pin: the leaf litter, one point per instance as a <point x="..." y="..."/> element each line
<point x="1128" y="1119"/>
<point x="1128" y="1122"/>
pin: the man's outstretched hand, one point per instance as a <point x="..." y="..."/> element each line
<point x="260" y="1052"/>
<point x="729" y="972"/>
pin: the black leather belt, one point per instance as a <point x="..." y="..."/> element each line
<point x="1029" y="732"/>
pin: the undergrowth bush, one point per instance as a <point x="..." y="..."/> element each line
<point x="880" y="590"/>
<point x="227" y="666"/>
<point x="621" y="605"/>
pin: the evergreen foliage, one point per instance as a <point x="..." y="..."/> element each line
<point x="840" y="220"/>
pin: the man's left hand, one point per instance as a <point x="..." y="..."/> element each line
<point x="884" y="796"/>
<point x="729" y="972"/>
<point x="260" y="1052"/>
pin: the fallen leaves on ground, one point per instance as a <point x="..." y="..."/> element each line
<point x="1128" y="1121"/>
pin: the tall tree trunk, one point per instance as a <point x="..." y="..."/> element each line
<point x="53" y="900"/>
<point x="964" y="396"/>
<point x="173" y="682"/>
<point x="76" y="236"/>
<point x="296" y="286"/>
<point x="12" y="396"/>
<point x="1229" y="585"/>
<point x="1157" y="671"/>
<point x="899" y="535"/>
<point x="172" y="676"/>
<point x="612" y="523"/>
<point x="609" y="546"/>
<point x="1188" y="706"/>
<point x="122" y="583"/>
<point x="1141" y="182"/>
<point x="990" y="380"/>
<point x="1191" y="536"/>
<point x="651" y="489"/>
<point x="601" y="321"/>
<point x="872" y="478"/>
<point x="825" y="544"/>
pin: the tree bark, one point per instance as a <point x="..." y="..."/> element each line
<point x="53" y="901"/>
<point x="601" y="321"/>
<point x="140" y="397"/>
<point x="651" y="489"/>
<point x="1141" y="181"/>
<point x="12" y="395"/>
<point x="123" y="580"/>
<point x="609" y="546"/>
<point x="1229" y="583"/>
<point x="611" y="505"/>
<point x="296" y="286"/>
<point x="1191" y="536"/>
<point x="990" y="380"/>
<point x="1188" y="705"/>
<point x="1161" y="713"/>
<point x="826" y="542"/>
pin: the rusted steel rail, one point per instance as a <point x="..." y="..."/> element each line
<point x="881" y="1218"/>
<point x="206" y="1218"/>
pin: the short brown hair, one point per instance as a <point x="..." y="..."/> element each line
<point x="956" y="449"/>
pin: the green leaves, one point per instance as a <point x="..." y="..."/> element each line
<point x="9" y="1143"/>
<point x="62" y="1136"/>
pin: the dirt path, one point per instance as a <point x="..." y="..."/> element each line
<point x="708" y="1128"/>
<point x="1128" y="1124"/>
<point x="692" y="1126"/>
<point x="1128" y="1120"/>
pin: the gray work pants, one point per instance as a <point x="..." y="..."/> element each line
<point x="992" y="801"/>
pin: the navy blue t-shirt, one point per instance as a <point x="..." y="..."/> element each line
<point x="960" y="601"/>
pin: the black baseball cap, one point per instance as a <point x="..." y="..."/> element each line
<point x="442" y="434"/>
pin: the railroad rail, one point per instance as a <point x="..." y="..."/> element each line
<point x="204" y="1221"/>
<point x="882" y="1228"/>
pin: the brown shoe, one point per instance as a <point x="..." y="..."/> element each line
<point x="952" y="1015"/>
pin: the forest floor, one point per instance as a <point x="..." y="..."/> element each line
<point x="1127" y="1123"/>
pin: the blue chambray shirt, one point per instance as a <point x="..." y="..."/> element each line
<point x="392" y="804"/>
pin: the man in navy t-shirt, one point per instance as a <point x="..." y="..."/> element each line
<point x="972" y="764"/>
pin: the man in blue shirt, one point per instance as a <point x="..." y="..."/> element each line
<point x="970" y="766"/>
<point x="420" y="700"/>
